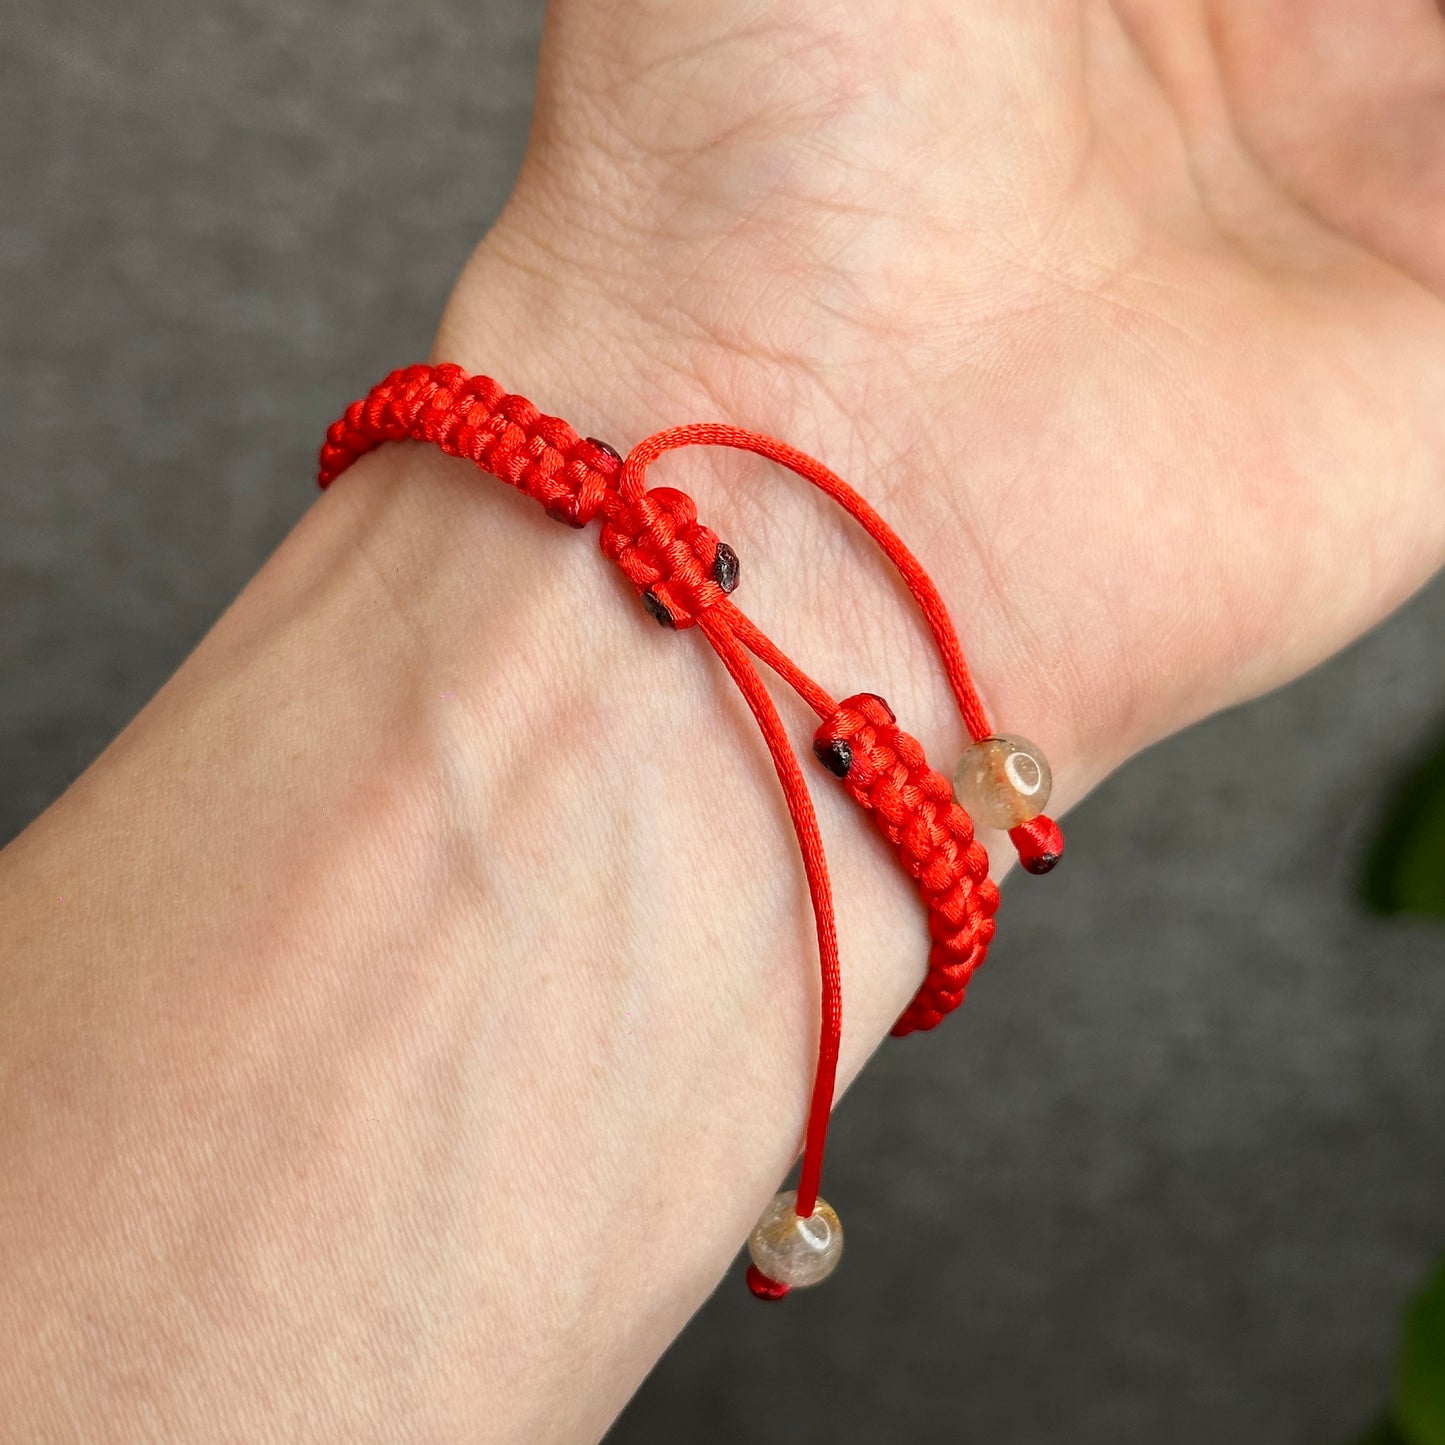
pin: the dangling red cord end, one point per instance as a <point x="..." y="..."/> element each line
<point x="1040" y="843"/>
<point x="764" y="1287"/>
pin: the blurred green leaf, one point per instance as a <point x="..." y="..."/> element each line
<point x="1383" y="1432"/>
<point x="1405" y="871"/>
<point x="1420" y="1380"/>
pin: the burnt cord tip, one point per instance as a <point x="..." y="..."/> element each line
<point x="762" y="1286"/>
<point x="603" y="446"/>
<point x="1040" y="844"/>
<point x="834" y="754"/>
<point x="725" y="567"/>
<point x="657" y="609"/>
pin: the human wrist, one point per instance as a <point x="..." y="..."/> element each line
<point x="479" y="882"/>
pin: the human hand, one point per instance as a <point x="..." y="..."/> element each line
<point x="1128" y="315"/>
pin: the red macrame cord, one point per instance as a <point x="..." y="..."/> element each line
<point x="684" y="574"/>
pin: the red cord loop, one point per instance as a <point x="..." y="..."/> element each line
<point x="684" y="574"/>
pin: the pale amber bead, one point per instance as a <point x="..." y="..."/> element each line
<point x="793" y="1251"/>
<point x="1002" y="782"/>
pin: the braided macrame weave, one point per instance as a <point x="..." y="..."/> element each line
<point x="684" y="576"/>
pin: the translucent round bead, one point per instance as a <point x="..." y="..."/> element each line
<point x="794" y="1251"/>
<point x="1002" y="782"/>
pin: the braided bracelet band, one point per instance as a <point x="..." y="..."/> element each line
<point x="684" y="576"/>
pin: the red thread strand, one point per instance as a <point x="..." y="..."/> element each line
<point x="767" y="651"/>
<point x="919" y="583"/>
<point x="820" y="893"/>
<point x="673" y="561"/>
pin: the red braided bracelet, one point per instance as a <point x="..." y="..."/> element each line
<point x="684" y="575"/>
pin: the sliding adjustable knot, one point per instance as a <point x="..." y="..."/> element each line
<point x="674" y="561"/>
<point x="885" y="770"/>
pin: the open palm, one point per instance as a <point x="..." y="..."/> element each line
<point x="1129" y="315"/>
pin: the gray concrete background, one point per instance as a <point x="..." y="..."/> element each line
<point x="1172" y="1176"/>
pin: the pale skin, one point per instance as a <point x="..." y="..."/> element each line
<point x="404" y="1021"/>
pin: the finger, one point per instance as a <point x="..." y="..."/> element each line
<point x="1345" y="103"/>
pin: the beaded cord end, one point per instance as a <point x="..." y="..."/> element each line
<point x="791" y="1250"/>
<point x="1004" y="782"/>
